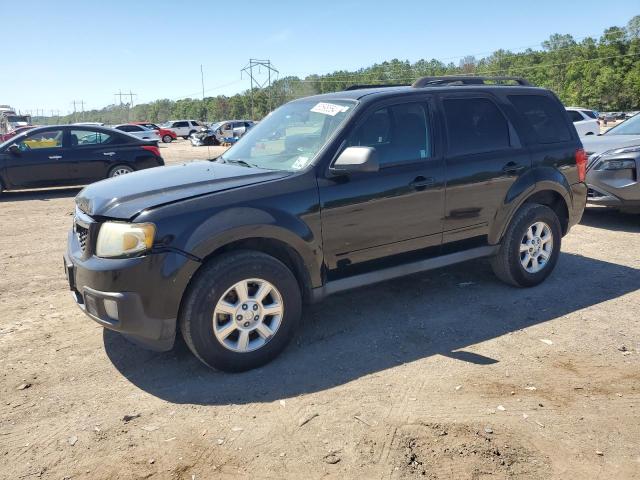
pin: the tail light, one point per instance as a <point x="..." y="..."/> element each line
<point x="152" y="148"/>
<point x="581" y="163"/>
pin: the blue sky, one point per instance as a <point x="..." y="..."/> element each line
<point x="57" y="52"/>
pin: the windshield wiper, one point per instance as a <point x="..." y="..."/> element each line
<point x="238" y="162"/>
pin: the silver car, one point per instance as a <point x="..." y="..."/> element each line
<point x="612" y="170"/>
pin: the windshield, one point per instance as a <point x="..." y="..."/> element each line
<point x="290" y="137"/>
<point x="17" y="118"/>
<point x="628" y="127"/>
<point x="15" y="139"/>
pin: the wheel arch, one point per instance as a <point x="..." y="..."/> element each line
<point x="545" y="186"/>
<point x="276" y="248"/>
<point x="292" y="244"/>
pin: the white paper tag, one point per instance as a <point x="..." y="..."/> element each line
<point x="300" y="163"/>
<point x="329" y="108"/>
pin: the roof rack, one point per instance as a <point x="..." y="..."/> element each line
<point x="379" y="85"/>
<point x="455" y="80"/>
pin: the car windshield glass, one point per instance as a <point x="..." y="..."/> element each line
<point x="17" y="119"/>
<point x="628" y="127"/>
<point x="14" y="139"/>
<point x="290" y="137"/>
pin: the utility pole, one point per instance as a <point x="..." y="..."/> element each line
<point x="131" y="95"/>
<point x="75" y="110"/>
<point x="119" y="95"/>
<point x="202" y="80"/>
<point x="254" y="63"/>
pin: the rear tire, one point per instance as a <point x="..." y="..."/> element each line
<point x="120" y="170"/>
<point x="530" y="248"/>
<point x="216" y="336"/>
<point x="167" y="139"/>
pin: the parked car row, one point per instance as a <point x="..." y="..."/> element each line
<point x="616" y="116"/>
<point x="229" y="131"/>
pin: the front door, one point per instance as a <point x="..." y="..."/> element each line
<point x="368" y="216"/>
<point x="41" y="161"/>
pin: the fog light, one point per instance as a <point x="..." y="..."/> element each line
<point x="111" y="307"/>
<point x="92" y="306"/>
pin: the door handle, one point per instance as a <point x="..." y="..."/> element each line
<point x="108" y="154"/>
<point x="420" y="183"/>
<point x="55" y="157"/>
<point x="512" y="167"/>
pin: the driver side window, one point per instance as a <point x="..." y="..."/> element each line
<point x="399" y="133"/>
<point x="38" y="140"/>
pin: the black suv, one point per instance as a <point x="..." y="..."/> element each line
<point x="328" y="193"/>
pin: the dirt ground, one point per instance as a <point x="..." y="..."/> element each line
<point x="447" y="374"/>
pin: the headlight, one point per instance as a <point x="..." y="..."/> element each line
<point x="118" y="239"/>
<point x="616" y="165"/>
<point x="633" y="149"/>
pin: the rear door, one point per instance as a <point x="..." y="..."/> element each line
<point x="484" y="158"/>
<point x="92" y="153"/>
<point x="181" y="128"/>
<point x="42" y="161"/>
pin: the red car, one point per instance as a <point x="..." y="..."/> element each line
<point x="166" y="135"/>
<point x="13" y="133"/>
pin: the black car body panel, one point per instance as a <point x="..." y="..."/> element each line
<point x="72" y="163"/>
<point x="124" y="199"/>
<point x="335" y="230"/>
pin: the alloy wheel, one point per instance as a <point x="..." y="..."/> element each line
<point x="248" y="315"/>
<point x="536" y="247"/>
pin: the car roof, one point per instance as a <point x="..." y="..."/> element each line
<point x="378" y="93"/>
<point x="579" y="108"/>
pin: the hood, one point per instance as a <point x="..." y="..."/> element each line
<point x="602" y="143"/>
<point x="125" y="196"/>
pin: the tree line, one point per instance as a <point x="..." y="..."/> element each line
<point x="602" y="73"/>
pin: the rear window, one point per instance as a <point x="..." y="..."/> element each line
<point x="475" y="125"/>
<point x="575" y="116"/>
<point x="544" y="116"/>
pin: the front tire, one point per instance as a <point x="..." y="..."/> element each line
<point x="167" y="139"/>
<point x="530" y="248"/>
<point x="240" y="311"/>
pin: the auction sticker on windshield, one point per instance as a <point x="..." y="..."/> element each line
<point x="329" y="108"/>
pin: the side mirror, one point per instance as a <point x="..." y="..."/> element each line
<point x="14" y="149"/>
<point x="357" y="159"/>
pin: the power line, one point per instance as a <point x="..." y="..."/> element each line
<point x="254" y="63"/>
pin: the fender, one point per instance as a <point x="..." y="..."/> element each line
<point x="242" y="223"/>
<point x="536" y="180"/>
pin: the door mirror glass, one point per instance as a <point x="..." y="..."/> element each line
<point x="357" y="159"/>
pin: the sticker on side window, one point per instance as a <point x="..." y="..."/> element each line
<point x="329" y="108"/>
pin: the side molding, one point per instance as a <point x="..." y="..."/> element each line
<point x="400" y="271"/>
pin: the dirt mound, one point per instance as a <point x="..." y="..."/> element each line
<point x="444" y="451"/>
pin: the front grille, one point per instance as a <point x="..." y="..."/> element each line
<point x="83" y="237"/>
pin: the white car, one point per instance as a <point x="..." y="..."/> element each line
<point x="139" y="131"/>
<point x="184" y="128"/>
<point x="585" y="121"/>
